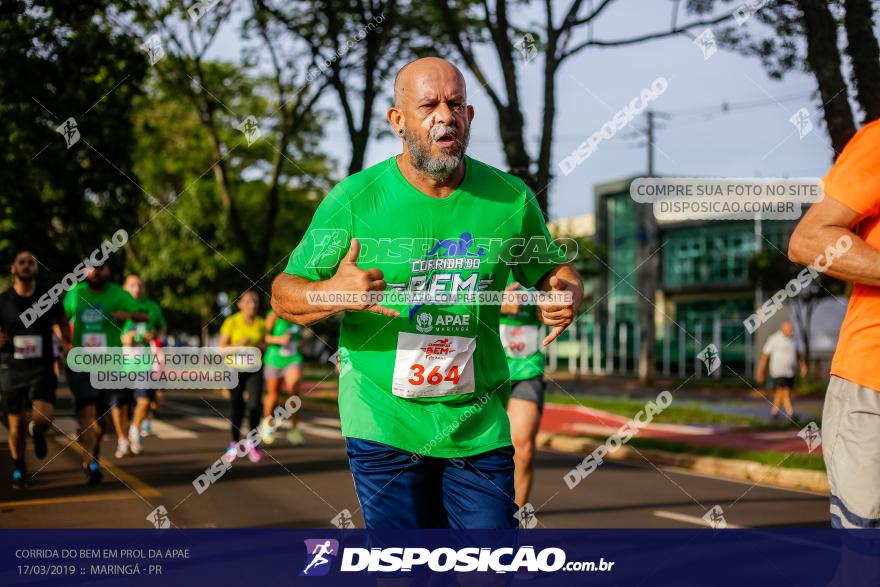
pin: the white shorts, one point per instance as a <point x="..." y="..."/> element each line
<point x="851" y="449"/>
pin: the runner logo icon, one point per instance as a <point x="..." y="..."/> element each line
<point x="319" y="554"/>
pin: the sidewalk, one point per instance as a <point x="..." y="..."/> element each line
<point x="582" y="421"/>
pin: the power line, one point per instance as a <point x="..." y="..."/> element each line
<point x="682" y="117"/>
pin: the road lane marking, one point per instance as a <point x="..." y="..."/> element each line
<point x="331" y="422"/>
<point x="143" y="489"/>
<point x="212" y="422"/>
<point x="115" y="496"/>
<point x="165" y="431"/>
<point x="688" y="519"/>
<point x="319" y="431"/>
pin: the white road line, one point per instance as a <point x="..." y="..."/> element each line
<point x="688" y="519"/>
<point x="214" y="422"/>
<point x="165" y="431"/>
<point x="331" y="422"/>
<point x="320" y="431"/>
<point x="183" y="408"/>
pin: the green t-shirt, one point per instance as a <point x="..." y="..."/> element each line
<point x="282" y="355"/>
<point x="155" y="321"/>
<point x="91" y="314"/>
<point x="430" y="381"/>
<point x="521" y="336"/>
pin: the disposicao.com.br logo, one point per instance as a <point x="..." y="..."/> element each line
<point x="319" y="556"/>
<point x="441" y="560"/>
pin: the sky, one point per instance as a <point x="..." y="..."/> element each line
<point x="696" y="139"/>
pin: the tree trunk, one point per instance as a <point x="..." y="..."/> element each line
<point x="546" y="150"/>
<point x="864" y="52"/>
<point x="824" y="61"/>
<point x="511" y="129"/>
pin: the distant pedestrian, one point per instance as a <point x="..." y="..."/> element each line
<point x="245" y="328"/>
<point x="780" y="353"/>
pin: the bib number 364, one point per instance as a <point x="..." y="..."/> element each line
<point x="432" y="366"/>
<point x="434" y="377"/>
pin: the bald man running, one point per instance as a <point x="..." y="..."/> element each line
<point x="421" y="385"/>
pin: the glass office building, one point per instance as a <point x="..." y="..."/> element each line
<point x="705" y="289"/>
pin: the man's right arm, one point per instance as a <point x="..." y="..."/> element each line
<point x="821" y="227"/>
<point x="291" y="293"/>
<point x="852" y="193"/>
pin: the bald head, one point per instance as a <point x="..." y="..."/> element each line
<point x="427" y="73"/>
<point x="431" y="115"/>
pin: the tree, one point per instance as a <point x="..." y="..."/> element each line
<point x="186" y="251"/>
<point x="286" y="135"/>
<point x="804" y="35"/>
<point x="61" y="60"/>
<point x="356" y="47"/>
<point x="469" y="24"/>
<point x="864" y="54"/>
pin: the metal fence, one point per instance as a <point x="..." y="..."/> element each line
<point x="613" y="349"/>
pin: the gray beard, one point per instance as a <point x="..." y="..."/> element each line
<point x="439" y="168"/>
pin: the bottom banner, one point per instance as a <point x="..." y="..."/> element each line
<point x="778" y="557"/>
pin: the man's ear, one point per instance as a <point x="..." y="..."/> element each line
<point x="470" y="113"/>
<point x="395" y="118"/>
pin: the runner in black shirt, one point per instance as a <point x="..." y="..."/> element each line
<point x="27" y="376"/>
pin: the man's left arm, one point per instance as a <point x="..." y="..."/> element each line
<point x="562" y="278"/>
<point x="565" y="283"/>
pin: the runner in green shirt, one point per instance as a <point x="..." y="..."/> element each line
<point x="421" y="385"/>
<point x="98" y="309"/>
<point x="520" y="335"/>
<point x="145" y="335"/>
<point x="281" y="366"/>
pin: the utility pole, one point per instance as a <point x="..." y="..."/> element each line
<point x="650" y="116"/>
<point x="648" y="274"/>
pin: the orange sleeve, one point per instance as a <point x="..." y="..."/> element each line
<point x="854" y="180"/>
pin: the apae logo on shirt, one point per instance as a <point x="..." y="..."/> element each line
<point x="425" y="322"/>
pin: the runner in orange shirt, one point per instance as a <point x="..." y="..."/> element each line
<point x="851" y="419"/>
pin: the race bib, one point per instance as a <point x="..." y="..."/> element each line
<point x="519" y="341"/>
<point x="27" y="347"/>
<point x="94" y="339"/>
<point x="292" y="348"/>
<point x="432" y="366"/>
<point x="288" y="350"/>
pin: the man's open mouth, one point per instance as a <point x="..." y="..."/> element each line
<point x="446" y="140"/>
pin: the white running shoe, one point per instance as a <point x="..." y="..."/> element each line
<point x="122" y="448"/>
<point x="135" y="440"/>
<point x="267" y="433"/>
<point x="295" y="437"/>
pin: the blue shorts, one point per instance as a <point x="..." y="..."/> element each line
<point x="398" y="489"/>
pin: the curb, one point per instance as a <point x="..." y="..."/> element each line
<point x="737" y="469"/>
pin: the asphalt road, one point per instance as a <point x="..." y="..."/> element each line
<point x="309" y="486"/>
